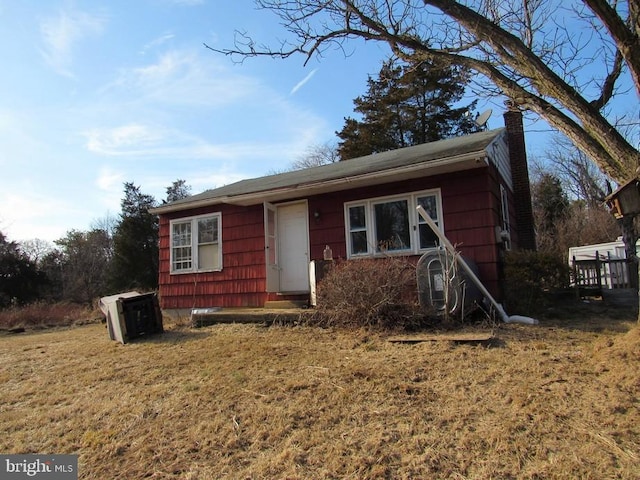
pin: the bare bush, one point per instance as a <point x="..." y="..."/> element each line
<point x="369" y="293"/>
<point x="43" y="315"/>
<point x="582" y="226"/>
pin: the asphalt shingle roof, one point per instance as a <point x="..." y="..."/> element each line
<point x="375" y="163"/>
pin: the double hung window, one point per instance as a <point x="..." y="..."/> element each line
<point x="195" y="244"/>
<point x="392" y="224"/>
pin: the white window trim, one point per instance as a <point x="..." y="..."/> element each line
<point x="414" y="230"/>
<point x="194" y="244"/>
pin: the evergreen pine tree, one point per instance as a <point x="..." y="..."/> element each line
<point x="407" y="105"/>
<point x="177" y="191"/>
<point x="135" y="243"/>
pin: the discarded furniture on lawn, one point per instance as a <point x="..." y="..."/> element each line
<point x="131" y="315"/>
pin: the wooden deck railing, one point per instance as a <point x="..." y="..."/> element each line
<point x="601" y="272"/>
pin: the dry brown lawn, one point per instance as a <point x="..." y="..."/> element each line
<point x="556" y="400"/>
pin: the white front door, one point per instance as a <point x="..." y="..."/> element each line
<point x="292" y="228"/>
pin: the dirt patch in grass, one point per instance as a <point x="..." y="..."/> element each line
<point x="555" y="400"/>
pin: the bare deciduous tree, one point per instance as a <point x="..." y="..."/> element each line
<point x="563" y="60"/>
<point x="317" y="155"/>
<point x="314" y="156"/>
<point x="83" y="261"/>
<point x="564" y="219"/>
<point x="580" y="177"/>
<point x="36" y="249"/>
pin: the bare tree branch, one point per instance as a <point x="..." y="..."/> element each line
<point x="624" y="33"/>
<point x="579" y="176"/>
<point x="609" y="83"/>
<point x="526" y="49"/>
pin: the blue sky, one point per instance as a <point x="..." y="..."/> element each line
<point x="95" y="94"/>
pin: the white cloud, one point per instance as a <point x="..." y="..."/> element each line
<point x="187" y="110"/>
<point x="123" y="140"/>
<point x="62" y="32"/>
<point x="156" y="42"/>
<point x="110" y="182"/>
<point x="18" y="137"/>
<point x="159" y="143"/>
<point x="27" y="214"/>
<point x="186" y="87"/>
<point x="181" y="77"/>
<point x="108" y="179"/>
<point x="27" y="205"/>
<point x="137" y="140"/>
<point x="302" y="82"/>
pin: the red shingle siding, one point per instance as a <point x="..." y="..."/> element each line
<point x="328" y="228"/>
<point x="471" y="211"/>
<point x="241" y="283"/>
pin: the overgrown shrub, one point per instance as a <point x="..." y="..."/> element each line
<point x="42" y="315"/>
<point x="369" y="293"/>
<point x="531" y="278"/>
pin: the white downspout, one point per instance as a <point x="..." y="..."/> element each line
<point x="451" y="249"/>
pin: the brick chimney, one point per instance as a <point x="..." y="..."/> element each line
<point x="520" y="177"/>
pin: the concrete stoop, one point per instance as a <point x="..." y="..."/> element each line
<point x="285" y="304"/>
<point x="202" y="317"/>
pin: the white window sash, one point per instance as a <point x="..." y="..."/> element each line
<point x="206" y="254"/>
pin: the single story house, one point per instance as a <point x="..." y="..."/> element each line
<point x="251" y="242"/>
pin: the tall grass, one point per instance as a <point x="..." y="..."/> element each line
<point x="43" y="315"/>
